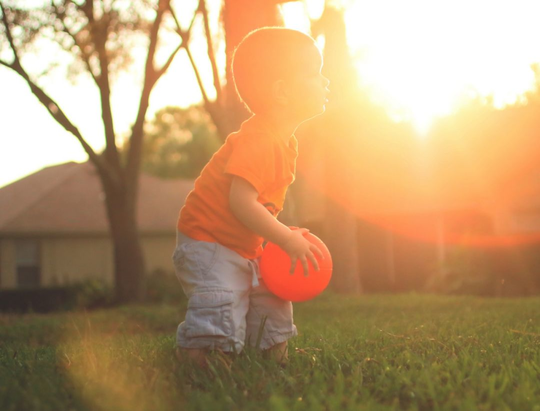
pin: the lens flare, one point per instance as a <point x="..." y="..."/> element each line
<point x="423" y="59"/>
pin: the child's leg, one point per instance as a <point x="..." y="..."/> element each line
<point x="270" y="323"/>
<point x="195" y="355"/>
<point x="217" y="282"/>
<point x="279" y="352"/>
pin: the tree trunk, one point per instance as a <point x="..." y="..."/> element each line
<point x="128" y="253"/>
<point x="341" y="235"/>
<point x="239" y="18"/>
<point x="129" y="264"/>
<point x="339" y="126"/>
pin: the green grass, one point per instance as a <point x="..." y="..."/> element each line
<point x="353" y="353"/>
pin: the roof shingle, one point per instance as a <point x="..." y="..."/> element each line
<point x="68" y="199"/>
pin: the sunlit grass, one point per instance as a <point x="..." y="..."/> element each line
<point x="368" y="352"/>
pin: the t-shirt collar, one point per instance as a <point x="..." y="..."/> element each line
<point x="255" y="123"/>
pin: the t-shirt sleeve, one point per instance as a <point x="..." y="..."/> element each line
<point x="258" y="160"/>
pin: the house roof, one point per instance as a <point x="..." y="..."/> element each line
<point x="68" y="199"/>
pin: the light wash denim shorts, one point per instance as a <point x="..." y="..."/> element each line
<point x="229" y="305"/>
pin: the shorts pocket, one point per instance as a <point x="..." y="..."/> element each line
<point x="178" y="257"/>
<point x="200" y="256"/>
<point x="209" y="314"/>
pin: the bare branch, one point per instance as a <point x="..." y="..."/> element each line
<point x="99" y="30"/>
<point x="184" y="35"/>
<point x="88" y="10"/>
<point x="210" y="48"/>
<point x="52" y="107"/>
<point x="165" y="67"/>
<point x="8" y="32"/>
<point x="56" y="112"/>
<point x="198" y="75"/>
<point x="3" y="63"/>
<point x="173" y="14"/>
<point x="85" y="56"/>
<point x="192" y="21"/>
<point x="150" y="78"/>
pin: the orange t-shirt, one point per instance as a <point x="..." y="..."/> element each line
<point x="256" y="155"/>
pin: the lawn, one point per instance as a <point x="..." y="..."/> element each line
<point x="368" y="352"/>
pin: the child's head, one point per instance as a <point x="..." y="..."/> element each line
<point x="275" y="67"/>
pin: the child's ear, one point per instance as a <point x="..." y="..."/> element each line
<point x="279" y="92"/>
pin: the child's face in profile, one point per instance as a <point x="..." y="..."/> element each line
<point x="308" y="89"/>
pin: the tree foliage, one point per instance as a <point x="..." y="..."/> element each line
<point x="179" y="142"/>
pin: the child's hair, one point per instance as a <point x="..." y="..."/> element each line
<point x="264" y="56"/>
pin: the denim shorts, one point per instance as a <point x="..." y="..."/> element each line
<point x="228" y="304"/>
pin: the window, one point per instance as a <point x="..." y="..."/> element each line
<point x="28" y="264"/>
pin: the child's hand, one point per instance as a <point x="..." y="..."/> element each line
<point x="299" y="248"/>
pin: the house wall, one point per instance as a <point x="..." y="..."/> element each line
<point x="158" y="252"/>
<point x="7" y="264"/>
<point x="67" y="260"/>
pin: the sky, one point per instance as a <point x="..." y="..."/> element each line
<point x="31" y="138"/>
<point x="420" y="59"/>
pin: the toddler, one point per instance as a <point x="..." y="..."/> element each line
<point x="233" y="207"/>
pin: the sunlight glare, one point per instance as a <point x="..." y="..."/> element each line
<point x="422" y="59"/>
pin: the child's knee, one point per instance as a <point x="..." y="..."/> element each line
<point x="209" y="322"/>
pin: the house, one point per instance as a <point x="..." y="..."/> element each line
<point x="54" y="229"/>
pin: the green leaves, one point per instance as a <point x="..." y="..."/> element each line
<point x="179" y="142"/>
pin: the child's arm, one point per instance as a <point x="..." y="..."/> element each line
<point x="244" y="205"/>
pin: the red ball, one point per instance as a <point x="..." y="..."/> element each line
<point x="276" y="263"/>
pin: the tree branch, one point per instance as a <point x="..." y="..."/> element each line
<point x="52" y="107"/>
<point x="198" y="75"/>
<point x="8" y="32"/>
<point x="85" y="56"/>
<point x="88" y="9"/>
<point x="165" y="67"/>
<point x="3" y="63"/>
<point x="101" y="80"/>
<point x="210" y="48"/>
<point x="150" y="78"/>
<point x="56" y="112"/>
<point x="99" y="31"/>
<point x="184" y="35"/>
